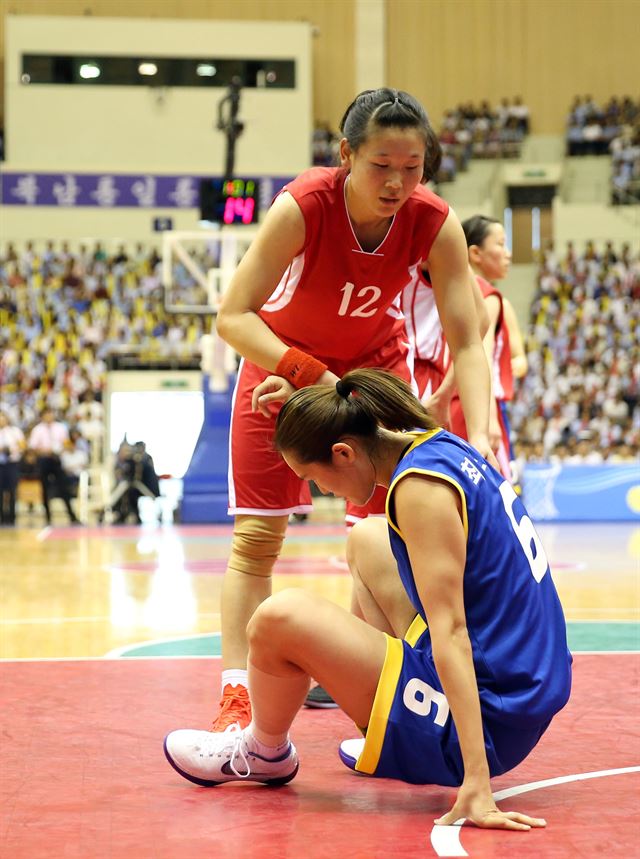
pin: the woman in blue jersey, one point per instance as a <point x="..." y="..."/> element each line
<point x="453" y="704"/>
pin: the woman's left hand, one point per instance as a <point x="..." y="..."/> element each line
<point x="478" y="807"/>
<point x="270" y="392"/>
<point x="495" y="433"/>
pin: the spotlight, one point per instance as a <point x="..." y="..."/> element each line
<point x="89" y="71"/>
<point x="148" y="69"/>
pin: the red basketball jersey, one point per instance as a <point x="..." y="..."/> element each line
<point x="501" y="370"/>
<point x="336" y="301"/>
<point x="423" y="324"/>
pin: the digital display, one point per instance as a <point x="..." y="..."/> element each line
<point x="229" y="201"/>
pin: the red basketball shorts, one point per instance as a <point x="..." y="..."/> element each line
<point x="260" y="482"/>
<point x="428" y="377"/>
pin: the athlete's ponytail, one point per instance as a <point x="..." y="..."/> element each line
<point x="314" y="418"/>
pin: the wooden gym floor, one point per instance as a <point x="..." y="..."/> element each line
<point x="109" y="639"/>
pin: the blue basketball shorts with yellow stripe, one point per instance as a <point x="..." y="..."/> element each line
<point x="411" y="735"/>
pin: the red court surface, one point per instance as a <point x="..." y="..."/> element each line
<point x="84" y="776"/>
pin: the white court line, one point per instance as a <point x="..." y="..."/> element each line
<point x="445" y="840"/>
<point x="42" y="535"/>
<point x="25" y="621"/>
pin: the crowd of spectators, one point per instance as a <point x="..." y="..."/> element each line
<point x="625" y="168"/>
<point x="50" y="456"/>
<point x="580" y="400"/>
<point x="325" y="146"/>
<point x="63" y="314"/>
<point x="591" y="128"/>
<point x="614" y="130"/>
<point x="481" y="132"/>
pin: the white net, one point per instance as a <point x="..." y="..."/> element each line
<point x="197" y="267"/>
<point x="538" y="490"/>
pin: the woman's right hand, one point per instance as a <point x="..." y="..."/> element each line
<point x="268" y="394"/>
<point x="438" y="408"/>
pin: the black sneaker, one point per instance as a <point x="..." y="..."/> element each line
<point x="319" y="699"/>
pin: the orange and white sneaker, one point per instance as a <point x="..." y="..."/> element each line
<point x="235" y="708"/>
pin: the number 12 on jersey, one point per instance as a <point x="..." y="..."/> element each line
<point x="363" y="308"/>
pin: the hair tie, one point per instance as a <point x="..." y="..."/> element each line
<point x="341" y="389"/>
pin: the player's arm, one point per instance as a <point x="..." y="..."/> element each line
<point x="429" y="515"/>
<point x="481" y="308"/>
<point x="449" y="271"/>
<point x="519" y="363"/>
<point x="438" y="403"/>
<point x="279" y="239"/>
<point x="492" y="304"/>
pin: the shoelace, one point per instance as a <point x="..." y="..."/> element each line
<point x="214" y="744"/>
<point x="233" y="703"/>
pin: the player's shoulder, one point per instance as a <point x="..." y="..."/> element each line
<point x="424" y="199"/>
<point x="487" y="288"/>
<point x="443" y="453"/>
<point x="317" y="180"/>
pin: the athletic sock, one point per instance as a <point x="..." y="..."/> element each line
<point x="268" y="746"/>
<point x="235" y="677"/>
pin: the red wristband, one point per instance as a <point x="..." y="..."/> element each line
<point x="299" y="368"/>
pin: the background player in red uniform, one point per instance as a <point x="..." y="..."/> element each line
<point x="432" y="368"/>
<point x="312" y="298"/>
<point x="490" y="259"/>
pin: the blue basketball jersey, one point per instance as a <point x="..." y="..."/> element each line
<point x="514" y="617"/>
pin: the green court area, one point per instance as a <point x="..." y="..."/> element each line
<point x="585" y="636"/>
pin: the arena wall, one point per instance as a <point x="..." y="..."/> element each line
<point x="133" y="128"/>
<point x="545" y="51"/>
<point x="331" y="23"/>
<point x="582" y="222"/>
<point x="446" y="52"/>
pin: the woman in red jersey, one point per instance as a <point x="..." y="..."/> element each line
<point x="490" y="259"/>
<point x="432" y="368"/>
<point x="315" y="296"/>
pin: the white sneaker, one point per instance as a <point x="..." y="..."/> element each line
<point x="350" y="751"/>
<point x="207" y="758"/>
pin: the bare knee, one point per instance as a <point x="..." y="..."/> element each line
<point x="277" y="617"/>
<point x="367" y="540"/>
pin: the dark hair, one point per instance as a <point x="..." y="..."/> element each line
<point x="374" y="109"/>
<point x="476" y="229"/>
<point x="314" y="418"/>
